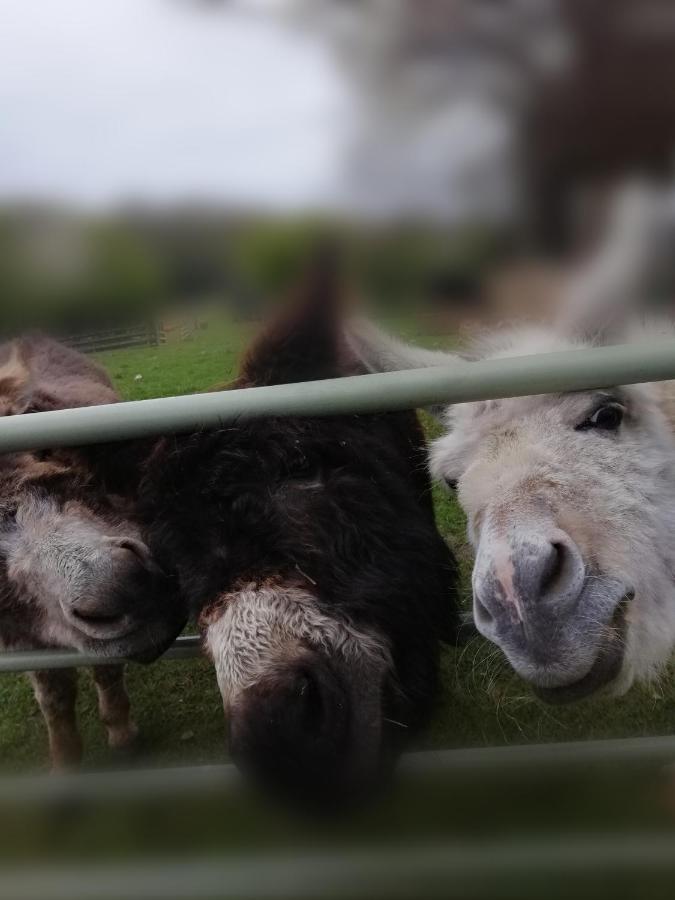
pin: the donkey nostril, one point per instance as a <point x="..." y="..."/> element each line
<point x="310" y="703"/>
<point x="553" y="571"/>
<point x="134" y="548"/>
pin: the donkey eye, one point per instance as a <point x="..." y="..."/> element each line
<point x="451" y="483"/>
<point x="606" y="418"/>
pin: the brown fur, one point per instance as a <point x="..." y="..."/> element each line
<point x="15" y="381"/>
<point x="39" y="375"/>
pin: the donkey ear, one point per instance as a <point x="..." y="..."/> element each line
<point x="611" y="286"/>
<point x="380" y="352"/>
<point x="302" y="343"/>
<point x="16" y="380"/>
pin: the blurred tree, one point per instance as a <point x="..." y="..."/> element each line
<point x="123" y="274"/>
<point x="267" y="256"/>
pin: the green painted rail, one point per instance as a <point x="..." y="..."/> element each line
<point x="186" y="647"/>
<point x="508" y="866"/>
<point x="462" y="382"/>
<point x="161" y="782"/>
<point x="445" y="870"/>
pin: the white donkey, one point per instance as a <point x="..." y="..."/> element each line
<point x="570" y="500"/>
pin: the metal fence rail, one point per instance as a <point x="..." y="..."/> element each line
<point x="186" y="647"/>
<point x="445" y="869"/>
<point x="462" y="762"/>
<point x="460" y="383"/>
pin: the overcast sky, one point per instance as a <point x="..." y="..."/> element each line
<point x="108" y="100"/>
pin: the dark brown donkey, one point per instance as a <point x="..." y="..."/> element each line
<point x="308" y="549"/>
<point x="74" y="572"/>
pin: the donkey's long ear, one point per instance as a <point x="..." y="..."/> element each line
<point x="16" y="380"/>
<point x="303" y="342"/>
<point x="606" y="292"/>
<point x="380" y="352"/>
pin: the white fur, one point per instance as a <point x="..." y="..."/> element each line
<point x="264" y="625"/>
<point x="616" y="275"/>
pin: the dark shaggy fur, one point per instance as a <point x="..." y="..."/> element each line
<point x="341" y="505"/>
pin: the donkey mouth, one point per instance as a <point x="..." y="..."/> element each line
<point x="124" y="638"/>
<point x="606" y="667"/>
<point x="149" y="650"/>
<point x="101" y="626"/>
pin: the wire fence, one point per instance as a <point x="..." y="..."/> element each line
<point x="145" y="334"/>
<point x="462" y="382"/>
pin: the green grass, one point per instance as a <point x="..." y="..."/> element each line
<point x="179" y="368"/>
<point x="177" y="704"/>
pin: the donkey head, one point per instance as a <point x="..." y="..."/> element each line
<point x="322" y="617"/>
<point x="75" y="564"/>
<point x="71" y="554"/>
<point x="570" y="501"/>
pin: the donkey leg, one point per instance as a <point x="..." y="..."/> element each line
<point x="114" y="707"/>
<point x="56" y="693"/>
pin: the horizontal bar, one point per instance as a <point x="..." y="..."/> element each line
<point x="657" y="750"/>
<point x="571" y="370"/>
<point x="496" y="868"/>
<point x="466" y="761"/>
<point x="119" y="784"/>
<point x="186" y="647"/>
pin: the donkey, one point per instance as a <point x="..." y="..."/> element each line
<point x="570" y="498"/>
<point x="307" y="547"/>
<point x="74" y="572"/>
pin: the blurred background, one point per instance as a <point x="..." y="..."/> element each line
<point x="166" y="167"/>
<point x="162" y="156"/>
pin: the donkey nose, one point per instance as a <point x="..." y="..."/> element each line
<point x="519" y="580"/>
<point x="290" y="731"/>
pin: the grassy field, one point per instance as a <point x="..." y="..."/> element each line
<point x="177" y="704"/>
